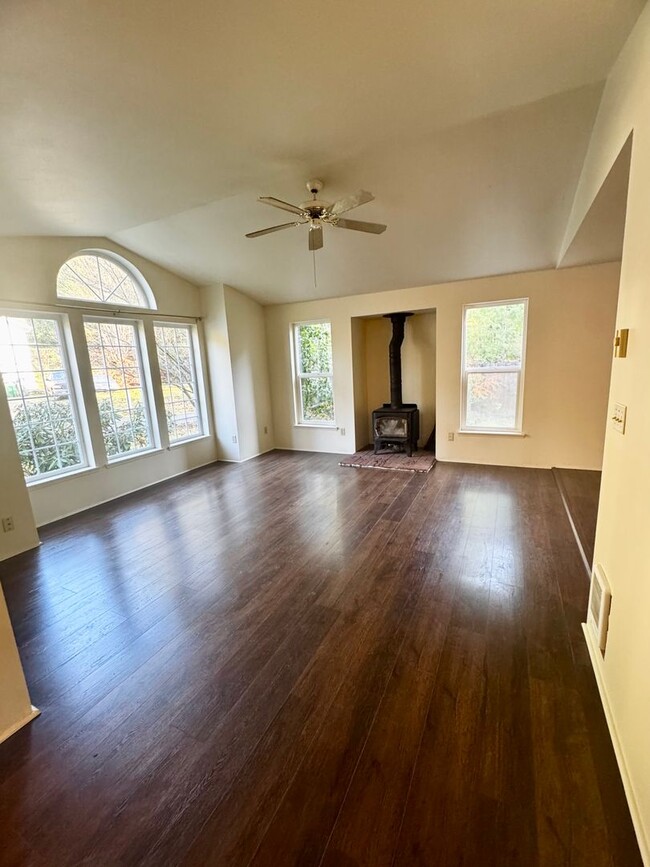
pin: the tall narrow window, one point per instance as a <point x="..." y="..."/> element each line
<point x="42" y="402"/>
<point x="494" y="341"/>
<point x="178" y="372"/>
<point x="116" y="360"/>
<point x="312" y="344"/>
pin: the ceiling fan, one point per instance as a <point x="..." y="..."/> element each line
<point x="316" y="214"/>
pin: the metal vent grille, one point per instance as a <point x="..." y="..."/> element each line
<point x="600" y="601"/>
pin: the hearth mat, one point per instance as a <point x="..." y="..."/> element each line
<point x="421" y="462"/>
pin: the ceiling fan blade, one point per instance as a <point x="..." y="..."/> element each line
<point x="315" y="237"/>
<point x="349" y="202"/>
<point x="278" y="203"/>
<point x="359" y="226"/>
<point x="272" y="229"/>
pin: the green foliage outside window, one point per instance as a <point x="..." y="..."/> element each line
<point x="125" y="431"/>
<point x="315" y="371"/>
<point x="494" y="335"/>
<point x="52" y="444"/>
<point x="317" y="399"/>
<point x="315" y="347"/>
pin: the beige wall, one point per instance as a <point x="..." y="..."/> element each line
<point x="571" y="321"/>
<point x="28" y="281"/>
<point x="623" y="540"/>
<point x="15" y="706"/>
<point x="418" y="368"/>
<point x="14" y="499"/>
<point x="215" y="326"/>
<point x="236" y="346"/>
<point x="358" y="334"/>
<point x="250" y="373"/>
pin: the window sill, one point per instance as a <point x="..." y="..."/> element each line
<point x="188" y="441"/>
<point x="63" y="477"/>
<point x="317" y="426"/>
<point x="493" y="433"/>
<point x="132" y="456"/>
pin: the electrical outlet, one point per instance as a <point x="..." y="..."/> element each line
<point x="450" y="436"/>
<point x="8" y="524"/>
<point x="234" y="439"/>
<point x="342" y="429"/>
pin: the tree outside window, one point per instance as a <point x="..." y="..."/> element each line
<point x="494" y="337"/>
<point x="313" y="366"/>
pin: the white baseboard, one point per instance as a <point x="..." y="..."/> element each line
<point x="14" y="728"/>
<point x="594" y="653"/>
<point x="249" y="458"/>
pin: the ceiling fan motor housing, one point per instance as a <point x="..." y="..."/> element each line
<point x="316" y="213"/>
<point x="315" y="208"/>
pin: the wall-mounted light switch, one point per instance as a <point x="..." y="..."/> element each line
<point x="619" y="415"/>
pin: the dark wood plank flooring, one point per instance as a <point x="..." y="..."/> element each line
<point x="292" y="663"/>
<point x="580" y="491"/>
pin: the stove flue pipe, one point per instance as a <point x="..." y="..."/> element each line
<point x="395" y="357"/>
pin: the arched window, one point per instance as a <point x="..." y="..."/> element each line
<point x="103" y="278"/>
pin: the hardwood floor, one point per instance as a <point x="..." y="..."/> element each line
<point x="291" y="663"/>
<point x="580" y="491"/>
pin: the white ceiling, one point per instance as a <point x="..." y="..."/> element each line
<point x="157" y="123"/>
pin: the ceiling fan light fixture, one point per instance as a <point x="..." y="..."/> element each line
<point x="318" y="213"/>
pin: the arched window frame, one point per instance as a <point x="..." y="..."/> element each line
<point x="135" y="274"/>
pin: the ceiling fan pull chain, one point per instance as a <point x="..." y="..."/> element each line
<point x="313" y="253"/>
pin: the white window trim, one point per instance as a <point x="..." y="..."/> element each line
<point x="521" y="371"/>
<point x="297" y="376"/>
<point x="198" y="380"/>
<point x="131" y="270"/>
<point x="76" y="395"/>
<point x="147" y="387"/>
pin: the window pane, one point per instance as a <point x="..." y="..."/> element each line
<point x="178" y="375"/>
<point x="494" y="335"/>
<point x="118" y="378"/>
<point x="90" y="277"/>
<point x="314" y="347"/>
<point x="492" y="400"/>
<point x="317" y="399"/>
<point x="41" y="401"/>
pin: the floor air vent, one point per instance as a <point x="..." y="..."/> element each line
<point x="600" y="600"/>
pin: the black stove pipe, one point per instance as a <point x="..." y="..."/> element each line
<point x="395" y="357"/>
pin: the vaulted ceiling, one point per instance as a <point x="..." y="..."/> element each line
<point x="157" y="123"/>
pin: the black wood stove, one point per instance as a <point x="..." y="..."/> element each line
<point x="396" y="425"/>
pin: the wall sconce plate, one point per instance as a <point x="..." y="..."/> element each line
<point x="620" y="343"/>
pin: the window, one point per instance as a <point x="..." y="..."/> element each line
<point x="115" y="350"/>
<point x="103" y="278"/>
<point x="36" y="375"/>
<point x="312" y="344"/>
<point x="177" y="361"/>
<point x="494" y="341"/>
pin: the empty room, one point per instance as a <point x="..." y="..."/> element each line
<point x="324" y="424"/>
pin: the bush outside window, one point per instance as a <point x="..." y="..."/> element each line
<point x="36" y="375"/>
